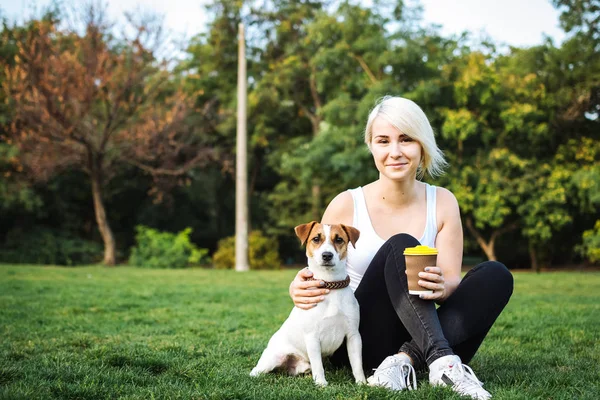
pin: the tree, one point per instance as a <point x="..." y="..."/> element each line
<point x="13" y="192"/>
<point x="574" y="71"/>
<point x="581" y="17"/>
<point x="95" y="102"/>
<point x="498" y="144"/>
<point x="327" y="79"/>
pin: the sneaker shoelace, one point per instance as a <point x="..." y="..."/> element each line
<point x="407" y="373"/>
<point x="464" y="379"/>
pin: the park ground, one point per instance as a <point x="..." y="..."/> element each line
<point x="133" y="333"/>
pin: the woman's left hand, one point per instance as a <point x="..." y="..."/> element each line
<point x="433" y="279"/>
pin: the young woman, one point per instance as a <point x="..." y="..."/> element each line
<point x="402" y="332"/>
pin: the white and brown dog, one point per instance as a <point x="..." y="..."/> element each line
<point x="307" y="335"/>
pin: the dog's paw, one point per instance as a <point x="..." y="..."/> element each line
<point x="321" y="382"/>
<point x="361" y="381"/>
<point x="254" y="372"/>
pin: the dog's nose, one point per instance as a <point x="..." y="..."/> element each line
<point x="327" y="256"/>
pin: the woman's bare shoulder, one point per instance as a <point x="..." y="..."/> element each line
<point x="340" y="210"/>
<point x="447" y="205"/>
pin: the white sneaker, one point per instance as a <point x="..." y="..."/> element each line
<point x="395" y="373"/>
<point x="450" y="371"/>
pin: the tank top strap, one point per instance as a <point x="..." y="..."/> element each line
<point x="431" y="223"/>
<point x="361" y="221"/>
<point x="355" y="202"/>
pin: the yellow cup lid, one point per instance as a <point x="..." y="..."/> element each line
<point x="420" y="251"/>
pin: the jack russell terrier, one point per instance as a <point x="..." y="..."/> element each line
<point x="307" y="335"/>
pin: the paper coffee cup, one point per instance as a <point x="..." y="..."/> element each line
<point x="417" y="258"/>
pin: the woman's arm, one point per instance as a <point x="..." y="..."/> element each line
<point x="445" y="278"/>
<point x="340" y="210"/>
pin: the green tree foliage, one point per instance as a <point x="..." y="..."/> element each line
<point x="331" y="78"/>
<point x="581" y="17"/>
<point x="14" y="193"/>
<point x="520" y="129"/>
<point x="591" y="243"/>
<point x="50" y="247"/>
<point x="488" y="130"/>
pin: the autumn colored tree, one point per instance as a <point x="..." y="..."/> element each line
<point x="13" y="192"/>
<point x="95" y="101"/>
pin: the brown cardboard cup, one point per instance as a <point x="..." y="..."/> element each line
<point x="416" y="263"/>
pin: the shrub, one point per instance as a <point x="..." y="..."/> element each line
<point x="48" y="246"/>
<point x="155" y="249"/>
<point x="590" y="248"/>
<point x="263" y="252"/>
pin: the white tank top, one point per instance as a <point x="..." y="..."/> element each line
<point x="369" y="241"/>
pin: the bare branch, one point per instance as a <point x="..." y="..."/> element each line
<point x="313" y="89"/>
<point x="365" y="67"/>
<point x="202" y="158"/>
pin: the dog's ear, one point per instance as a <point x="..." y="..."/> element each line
<point x="303" y="231"/>
<point x="352" y="232"/>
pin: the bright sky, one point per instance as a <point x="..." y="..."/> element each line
<point x="512" y="22"/>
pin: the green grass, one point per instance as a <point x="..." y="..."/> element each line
<point x="89" y="333"/>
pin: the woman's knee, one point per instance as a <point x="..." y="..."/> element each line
<point x="498" y="273"/>
<point x="403" y="240"/>
<point x="389" y="261"/>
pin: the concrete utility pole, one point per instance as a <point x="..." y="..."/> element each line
<point x="241" y="180"/>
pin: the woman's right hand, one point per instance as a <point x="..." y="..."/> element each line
<point x="304" y="293"/>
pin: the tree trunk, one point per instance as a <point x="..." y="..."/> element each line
<point x="316" y="202"/>
<point x="315" y="120"/>
<point x="486" y="246"/>
<point x="534" y="259"/>
<point x="488" y="249"/>
<point x="103" y="226"/>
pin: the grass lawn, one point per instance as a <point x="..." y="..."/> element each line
<point x="93" y="332"/>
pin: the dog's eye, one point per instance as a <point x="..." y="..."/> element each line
<point x="315" y="239"/>
<point x="339" y="240"/>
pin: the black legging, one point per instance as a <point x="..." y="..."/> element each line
<point x="388" y="312"/>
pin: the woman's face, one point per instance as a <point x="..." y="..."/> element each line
<point x="396" y="155"/>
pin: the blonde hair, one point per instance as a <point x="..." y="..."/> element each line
<point x="406" y="116"/>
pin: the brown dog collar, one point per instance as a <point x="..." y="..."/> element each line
<point x="334" y="284"/>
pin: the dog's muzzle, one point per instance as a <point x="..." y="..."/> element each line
<point x="327" y="259"/>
